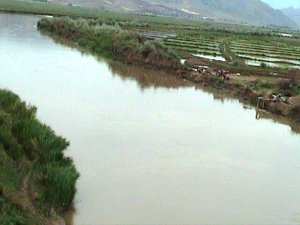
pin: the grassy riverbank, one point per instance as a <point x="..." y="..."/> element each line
<point x="37" y="182"/>
<point x="113" y="42"/>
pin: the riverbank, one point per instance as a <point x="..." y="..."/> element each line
<point x="277" y="96"/>
<point x="37" y="182"/>
<point x="113" y="42"/>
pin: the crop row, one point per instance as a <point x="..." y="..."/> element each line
<point x="197" y="50"/>
<point x="174" y="44"/>
<point x="291" y="55"/>
<point x="271" y="60"/>
<point x="268" y="54"/>
<point x="271" y="64"/>
<point x="261" y="44"/>
<point x="207" y="38"/>
<point x="201" y="42"/>
<point x="266" y="47"/>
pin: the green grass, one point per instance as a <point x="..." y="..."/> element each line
<point x="31" y="161"/>
<point x="9" y="176"/>
<point x="11" y="214"/>
<point x="259" y="85"/>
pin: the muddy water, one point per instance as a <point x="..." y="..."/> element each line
<point x="149" y="150"/>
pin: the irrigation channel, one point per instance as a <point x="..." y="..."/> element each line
<point x="151" y="149"/>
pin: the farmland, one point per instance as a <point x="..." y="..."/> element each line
<point x="279" y="53"/>
<point x="274" y="54"/>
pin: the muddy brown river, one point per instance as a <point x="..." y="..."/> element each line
<point x="150" y="148"/>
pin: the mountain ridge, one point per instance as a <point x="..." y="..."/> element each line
<point x="292" y="13"/>
<point x="253" y="12"/>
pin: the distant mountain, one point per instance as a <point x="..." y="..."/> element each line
<point x="249" y="11"/>
<point x="237" y="11"/>
<point x="293" y="14"/>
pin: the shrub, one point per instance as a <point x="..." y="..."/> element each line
<point x="147" y="48"/>
<point x="288" y="87"/>
<point x="263" y="65"/>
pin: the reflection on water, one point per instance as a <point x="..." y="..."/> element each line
<point x="147" y="78"/>
<point x="261" y="114"/>
<point x="150" y="148"/>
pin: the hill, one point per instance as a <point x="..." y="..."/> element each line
<point x="236" y="11"/>
<point x="293" y="14"/>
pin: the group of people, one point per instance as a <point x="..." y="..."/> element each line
<point x="220" y="73"/>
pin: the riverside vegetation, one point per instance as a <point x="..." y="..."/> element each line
<point x="110" y="40"/>
<point x="113" y="42"/>
<point x="37" y="182"/>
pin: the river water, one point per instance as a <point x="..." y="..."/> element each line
<point x="151" y="149"/>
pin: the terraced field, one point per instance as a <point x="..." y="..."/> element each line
<point x="253" y="53"/>
<point x="201" y="47"/>
<point x="273" y="54"/>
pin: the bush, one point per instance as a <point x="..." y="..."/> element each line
<point x="288" y="87"/>
<point x="147" y="48"/>
<point x="263" y="65"/>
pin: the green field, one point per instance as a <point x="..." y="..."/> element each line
<point x="278" y="53"/>
<point x="274" y="53"/>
